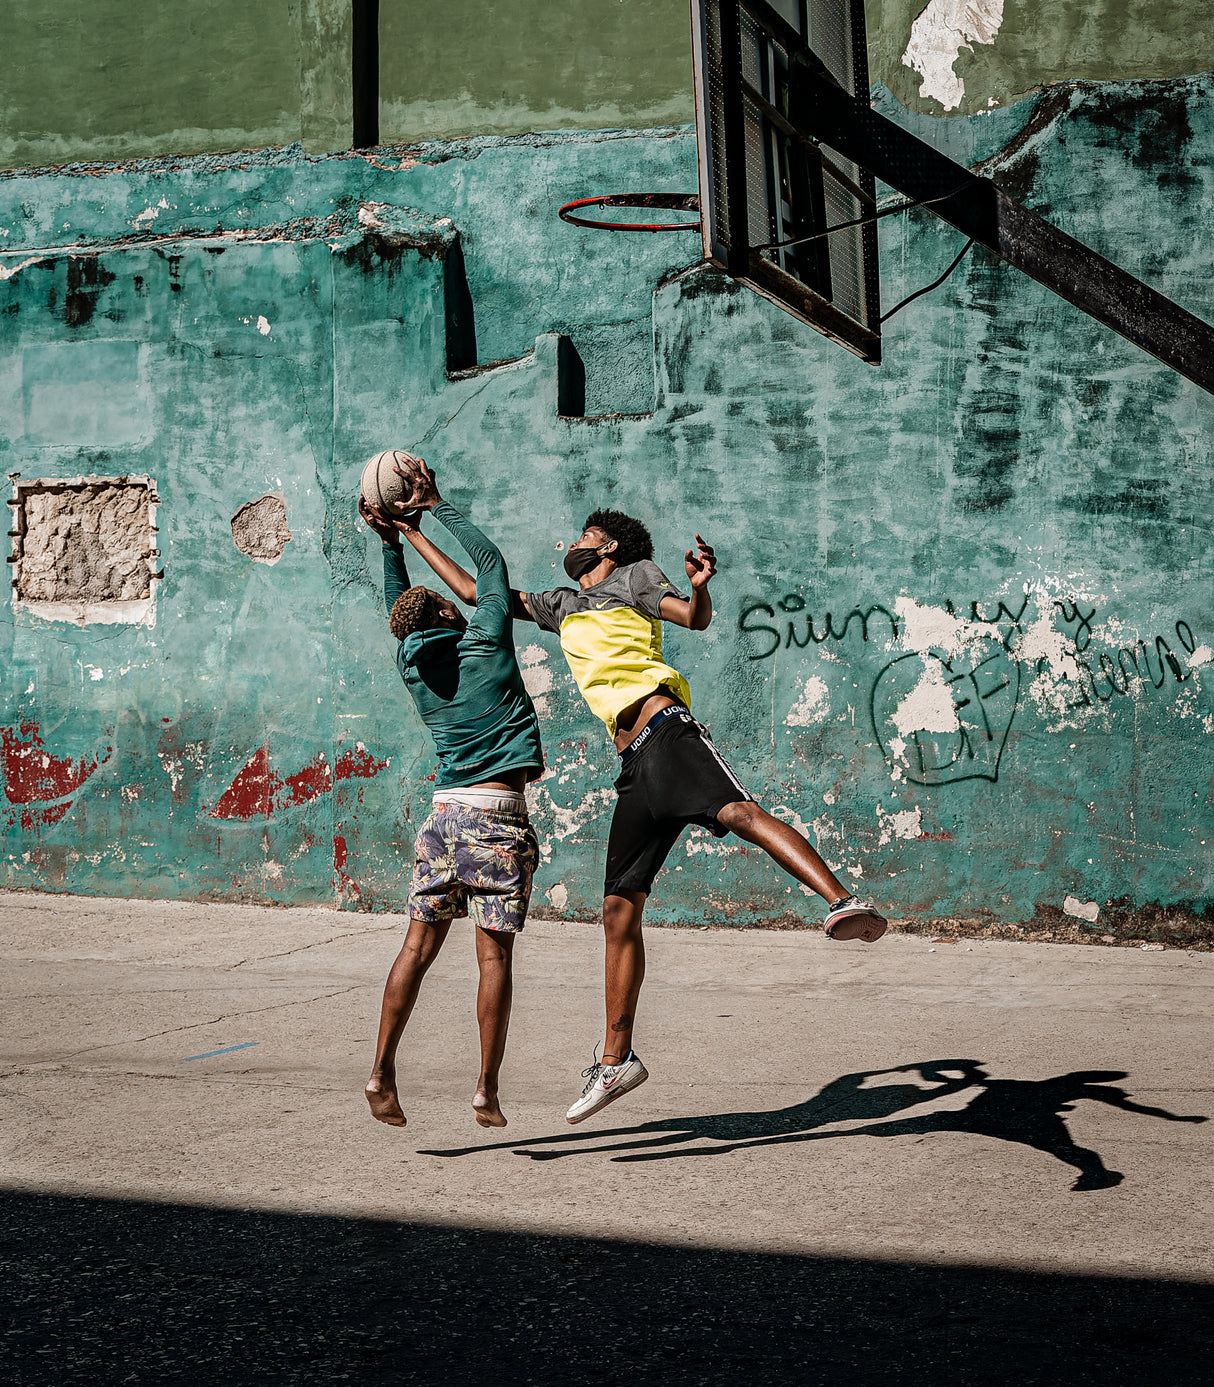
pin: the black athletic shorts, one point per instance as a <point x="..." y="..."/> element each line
<point x="671" y="776"/>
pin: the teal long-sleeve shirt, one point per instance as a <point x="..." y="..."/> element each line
<point x="468" y="687"/>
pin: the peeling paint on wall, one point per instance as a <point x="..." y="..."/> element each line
<point x="939" y="34"/>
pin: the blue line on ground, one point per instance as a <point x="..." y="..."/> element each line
<point x="227" y="1050"/>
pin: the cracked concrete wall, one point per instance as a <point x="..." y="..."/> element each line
<point x="961" y="633"/>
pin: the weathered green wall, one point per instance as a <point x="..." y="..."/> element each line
<point x="467" y="67"/>
<point x="1040" y="43"/>
<point x="1018" y="500"/>
<point x="111" y="79"/>
<point x="95" y="79"/>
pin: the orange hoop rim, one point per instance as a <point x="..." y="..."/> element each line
<point x="667" y="202"/>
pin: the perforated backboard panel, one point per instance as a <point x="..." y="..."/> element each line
<point x="765" y="180"/>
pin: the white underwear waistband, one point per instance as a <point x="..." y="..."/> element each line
<point x="495" y="801"/>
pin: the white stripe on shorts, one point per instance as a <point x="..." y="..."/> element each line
<point x="721" y="761"/>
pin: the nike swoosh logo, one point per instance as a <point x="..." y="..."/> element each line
<point x="598" y="606"/>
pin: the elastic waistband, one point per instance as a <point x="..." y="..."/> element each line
<point x="645" y="735"/>
<point x="492" y="801"/>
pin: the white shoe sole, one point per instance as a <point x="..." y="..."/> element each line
<point x="610" y="1098"/>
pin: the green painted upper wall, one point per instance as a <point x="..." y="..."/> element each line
<point x="111" y="80"/>
<point x="461" y="67"/>
<point x="100" y="80"/>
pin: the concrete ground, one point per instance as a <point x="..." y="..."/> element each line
<point x="980" y="1161"/>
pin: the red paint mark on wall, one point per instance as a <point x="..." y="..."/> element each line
<point x="316" y="778"/>
<point x="359" y="763"/>
<point x="252" y="794"/>
<point x="259" y="791"/>
<point x="45" y="785"/>
<point x="343" y="883"/>
<point x="32" y="774"/>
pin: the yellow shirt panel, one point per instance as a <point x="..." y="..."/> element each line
<point x="616" y="658"/>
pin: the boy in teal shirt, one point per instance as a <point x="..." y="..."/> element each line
<point x="476" y="853"/>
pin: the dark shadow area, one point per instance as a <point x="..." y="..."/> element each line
<point x="459" y="311"/>
<point x="570" y="381"/>
<point x="99" y="1291"/>
<point x="1028" y="1111"/>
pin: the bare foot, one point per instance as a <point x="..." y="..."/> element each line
<point x="385" y="1106"/>
<point x="488" y="1112"/>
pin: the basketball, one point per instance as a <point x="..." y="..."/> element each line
<point x="381" y="486"/>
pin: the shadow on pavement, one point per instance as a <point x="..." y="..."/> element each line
<point x="104" y="1292"/>
<point x="1028" y="1111"/>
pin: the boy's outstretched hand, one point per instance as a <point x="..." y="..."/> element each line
<point x="384" y="525"/>
<point x="700" y="565"/>
<point x="422" y="488"/>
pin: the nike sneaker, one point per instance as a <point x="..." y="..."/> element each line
<point x="605" y="1083"/>
<point x="852" y="918"/>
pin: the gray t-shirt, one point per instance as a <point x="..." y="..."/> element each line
<point x="641" y="585"/>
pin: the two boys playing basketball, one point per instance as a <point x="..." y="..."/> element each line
<point x="671" y="774"/>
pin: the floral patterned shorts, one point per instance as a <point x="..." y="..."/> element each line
<point x="474" y="862"/>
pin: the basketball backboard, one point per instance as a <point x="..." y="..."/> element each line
<point x="789" y="150"/>
<point x="765" y="179"/>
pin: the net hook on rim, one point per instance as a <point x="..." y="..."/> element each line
<point x="666" y="202"/>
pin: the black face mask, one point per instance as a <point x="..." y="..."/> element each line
<point x="579" y="562"/>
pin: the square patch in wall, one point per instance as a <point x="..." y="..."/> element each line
<point x="84" y="549"/>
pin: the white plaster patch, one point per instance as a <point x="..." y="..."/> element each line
<point x="1043" y="641"/>
<point x="1203" y="655"/>
<point x="8" y="271"/>
<point x="812" y="705"/>
<point x="263" y="325"/>
<point x="939" y="34"/>
<point x="929" y="706"/>
<point x="537" y="678"/>
<point x="1081" y="910"/>
<point x="149" y="214"/>
<point x="924" y="627"/>
<point x="906" y="824"/>
<point x="558" y="896"/>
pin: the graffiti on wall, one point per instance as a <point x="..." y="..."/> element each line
<point x="943" y="707"/>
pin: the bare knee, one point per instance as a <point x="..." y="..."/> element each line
<point x="744" y="817"/>
<point x="622" y="914"/>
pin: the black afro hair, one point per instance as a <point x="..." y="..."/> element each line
<point x="412" y="611"/>
<point x="632" y="539"/>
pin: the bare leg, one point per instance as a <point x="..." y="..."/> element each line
<point x="624" y="970"/>
<point x="784" y="845"/>
<point x="421" y="947"/>
<point x="494" y="957"/>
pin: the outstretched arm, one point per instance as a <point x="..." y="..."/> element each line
<point x="396" y="576"/>
<point x="1117" y="1099"/>
<point x="496" y="603"/>
<point x="459" y="580"/>
<point x="695" y="615"/>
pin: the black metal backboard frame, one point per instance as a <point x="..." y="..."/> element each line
<point x="765" y="181"/>
<point x="820" y="112"/>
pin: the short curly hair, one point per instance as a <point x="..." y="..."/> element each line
<point x="412" y="611"/>
<point x="632" y="539"/>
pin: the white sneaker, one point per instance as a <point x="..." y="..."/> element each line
<point x="852" y="918"/>
<point x="605" y="1083"/>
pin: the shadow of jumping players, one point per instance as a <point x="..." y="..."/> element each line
<point x="1017" y="1110"/>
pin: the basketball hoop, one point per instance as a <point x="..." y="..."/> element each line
<point x="666" y="202"/>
